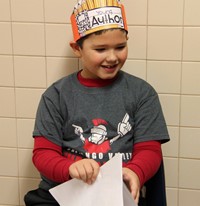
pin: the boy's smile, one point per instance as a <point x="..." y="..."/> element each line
<point x="103" y="55"/>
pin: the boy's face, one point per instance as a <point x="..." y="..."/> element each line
<point x="103" y="55"/>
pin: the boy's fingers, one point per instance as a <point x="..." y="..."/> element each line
<point x="82" y="174"/>
<point x="74" y="173"/>
<point x="95" y="171"/>
<point x="85" y="170"/>
<point x="137" y="197"/>
<point x="78" y="171"/>
<point x="132" y="182"/>
<point x="135" y="194"/>
<point x="92" y="172"/>
<point x="89" y="173"/>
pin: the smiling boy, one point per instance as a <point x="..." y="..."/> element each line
<point x="89" y="116"/>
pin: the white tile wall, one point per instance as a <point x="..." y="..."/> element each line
<point x="9" y="162"/>
<point x="58" y="67"/>
<point x="190" y="111"/>
<point x="189" y="197"/>
<point x="136" y="12"/>
<point x="33" y="70"/>
<point x="26" y="167"/>
<point x="6" y="71"/>
<point x="4" y="10"/>
<point x="159" y="75"/>
<point x="191" y="13"/>
<point x="171" y="172"/>
<point x="172" y="195"/>
<point x="191" y="44"/>
<point x="27" y="101"/>
<point x="136" y="68"/>
<point x="28" y="39"/>
<point x="7" y="108"/>
<point x="27" y="11"/>
<point x="58" y="37"/>
<point x="171" y="149"/>
<point x="187" y="168"/>
<point x="63" y="7"/>
<point x="165" y="12"/>
<point x="164" y="49"/>
<point x="24" y="133"/>
<point x="190" y="78"/>
<point x="9" y="138"/>
<point x="5" y="38"/>
<point x="164" y="43"/>
<point x="189" y="138"/>
<point x="9" y="186"/>
<point x="137" y="45"/>
<point x="171" y="107"/>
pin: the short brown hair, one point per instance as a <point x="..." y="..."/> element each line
<point x="81" y="40"/>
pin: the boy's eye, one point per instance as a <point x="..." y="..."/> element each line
<point x="100" y="49"/>
<point x="121" y="47"/>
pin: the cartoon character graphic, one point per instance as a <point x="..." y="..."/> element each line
<point x="98" y="141"/>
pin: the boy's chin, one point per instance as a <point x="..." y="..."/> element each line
<point x="110" y="76"/>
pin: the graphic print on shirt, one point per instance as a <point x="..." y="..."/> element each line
<point x="98" y="141"/>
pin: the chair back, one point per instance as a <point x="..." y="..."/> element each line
<point x="155" y="189"/>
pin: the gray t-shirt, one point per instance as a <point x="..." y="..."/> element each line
<point x="97" y="122"/>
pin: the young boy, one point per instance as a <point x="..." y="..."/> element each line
<point x="85" y="118"/>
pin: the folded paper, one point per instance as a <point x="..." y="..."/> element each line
<point x="108" y="189"/>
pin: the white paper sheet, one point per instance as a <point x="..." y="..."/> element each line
<point x="107" y="190"/>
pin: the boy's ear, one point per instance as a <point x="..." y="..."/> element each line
<point x="76" y="48"/>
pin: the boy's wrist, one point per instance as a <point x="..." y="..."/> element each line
<point x="138" y="172"/>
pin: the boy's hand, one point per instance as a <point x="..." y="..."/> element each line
<point x="85" y="170"/>
<point x="132" y="182"/>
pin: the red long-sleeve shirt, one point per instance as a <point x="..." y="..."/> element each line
<point x="48" y="159"/>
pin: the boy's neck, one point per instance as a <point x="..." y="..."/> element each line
<point x="94" y="82"/>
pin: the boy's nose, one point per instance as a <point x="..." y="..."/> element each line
<point x="111" y="57"/>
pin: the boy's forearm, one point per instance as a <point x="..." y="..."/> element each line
<point x="146" y="160"/>
<point x="48" y="159"/>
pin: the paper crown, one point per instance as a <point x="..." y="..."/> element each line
<point x="90" y="16"/>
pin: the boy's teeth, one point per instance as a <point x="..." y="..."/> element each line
<point x="108" y="66"/>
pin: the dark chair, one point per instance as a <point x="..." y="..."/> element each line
<point x="155" y="190"/>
